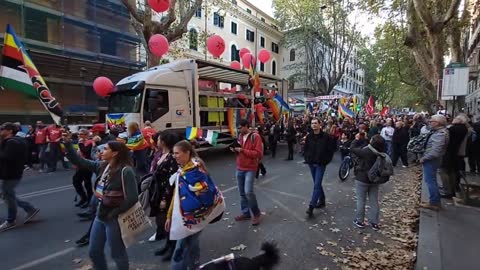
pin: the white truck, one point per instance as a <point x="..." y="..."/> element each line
<point x="186" y="93"/>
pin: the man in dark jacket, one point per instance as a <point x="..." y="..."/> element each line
<point x="399" y="144"/>
<point x="13" y="155"/>
<point x="319" y="149"/>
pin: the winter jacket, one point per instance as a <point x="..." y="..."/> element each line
<point x="415" y="129"/>
<point x="401" y="136"/>
<point x="366" y="159"/>
<point x="319" y="148"/>
<point x="457" y="134"/>
<point x="436" y="145"/>
<point x="251" y="152"/>
<point x="13" y="156"/>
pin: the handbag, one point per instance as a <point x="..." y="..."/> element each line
<point x="114" y="198"/>
<point x="133" y="222"/>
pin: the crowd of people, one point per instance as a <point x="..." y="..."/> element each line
<point x="112" y="169"/>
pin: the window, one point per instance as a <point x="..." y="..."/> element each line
<point x="262" y="19"/>
<point x="274" y="47"/>
<point x="233" y="28"/>
<point x="234" y="2"/>
<point x="193" y="39"/>
<point x="250" y="36"/>
<point x="156" y="104"/>
<point x="262" y="67"/>
<point x="198" y="13"/>
<point x="249" y="11"/>
<point x="262" y="42"/>
<point x="274" y="68"/>
<point x="234" y="53"/>
<point x="292" y="55"/>
<point x="218" y="20"/>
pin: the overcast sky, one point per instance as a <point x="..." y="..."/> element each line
<point x="264" y="5"/>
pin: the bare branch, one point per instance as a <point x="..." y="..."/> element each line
<point x="132" y="8"/>
<point x="452" y="10"/>
<point x="422" y="11"/>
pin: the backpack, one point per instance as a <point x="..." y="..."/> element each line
<point x="418" y="143"/>
<point x="381" y="170"/>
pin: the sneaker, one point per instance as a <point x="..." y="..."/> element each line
<point x="7" y="226"/>
<point x="375" y="226"/>
<point x="242" y="218"/>
<point x="256" y="220"/>
<point x="82" y="241"/>
<point x="31" y="214"/>
<point x="430" y="206"/>
<point x="358" y="223"/>
<point x="320" y="205"/>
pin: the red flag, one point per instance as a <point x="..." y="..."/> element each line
<point x="370" y="106"/>
<point x="384" y="111"/>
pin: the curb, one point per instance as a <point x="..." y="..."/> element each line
<point x="429" y="252"/>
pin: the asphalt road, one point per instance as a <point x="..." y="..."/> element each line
<point x="283" y="195"/>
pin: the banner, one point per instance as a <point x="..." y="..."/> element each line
<point x="17" y="72"/>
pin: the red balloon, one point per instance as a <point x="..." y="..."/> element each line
<point x="158" y="44"/>
<point x="248" y="59"/>
<point x="263" y="55"/>
<point x="236" y="65"/>
<point x="233" y="90"/>
<point x="159" y="5"/>
<point x="244" y="51"/>
<point x="216" y="45"/>
<point x="103" y="86"/>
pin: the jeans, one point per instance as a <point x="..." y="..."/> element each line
<point x="107" y="231"/>
<point x="388" y="148"/>
<point x="8" y="190"/>
<point x="318" y="196"/>
<point x="187" y="253"/>
<point x="42" y="158"/>
<point x="248" y="200"/>
<point x="362" y="191"/>
<point x="430" y="168"/>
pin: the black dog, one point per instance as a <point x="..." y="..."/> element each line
<point x="265" y="261"/>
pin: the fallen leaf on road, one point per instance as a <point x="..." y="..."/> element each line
<point x="66" y="241"/>
<point x="335" y="230"/>
<point x="77" y="261"/>
<point x="239" y="247"/>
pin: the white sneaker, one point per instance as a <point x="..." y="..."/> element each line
<point x="7" y="226"/>
<point x="153" y="238"/>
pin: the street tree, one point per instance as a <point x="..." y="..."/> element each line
<point x="172" y="23"/>
<point x="323" y="38"/>
<point x="432" y="29"/>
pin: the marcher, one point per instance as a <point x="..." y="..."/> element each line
<point x="387" y="134"/>
<point x="291" y="139"/>
<point x="261" y="167"/>
<point x="400" y="140"/>
<point x="54" y="153"/>
<point x="364" y="187"/>
<point x="117" y="177"/>
<point x="161" y="192"/>
<point x="248" y="155"/>
<point x="82" y="179"/>
<point x="13" y="155"/>
<point x="136" y="142"/>
<point x="273" y="137"/>
<point x="436" y="147"/>
<point x="41" y="143"/>
<point x="319" y="150"/>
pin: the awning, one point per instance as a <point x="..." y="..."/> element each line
<point x="225" y="74"/>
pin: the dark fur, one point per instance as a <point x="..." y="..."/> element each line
<point x="265" y="261"/>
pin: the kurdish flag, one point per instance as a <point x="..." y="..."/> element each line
<point x="17" y="72"/>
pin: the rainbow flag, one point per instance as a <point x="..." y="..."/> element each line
<point x="234" y="116"/>
<point x="344" y="111"/>
<point x="277" y="105"/>
<point x="17" y="72"/>
<point x="136" y="142"/>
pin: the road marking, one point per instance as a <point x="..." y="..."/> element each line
<point x="284" y="207"/>
<point x="283" y="193"/>
<point x="44" y="259"/>
<point x="260" y="184"/>
<point x="42" y="192"/>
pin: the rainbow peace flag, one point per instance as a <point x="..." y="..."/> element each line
<point x="344" y="111"/>
<point x="277" y="105"/>
<point x="234" y="116"/>
<point x="17" y="72"/>
<point x="136" y="142"/>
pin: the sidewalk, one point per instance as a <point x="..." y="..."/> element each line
<point x="448" y="239"/>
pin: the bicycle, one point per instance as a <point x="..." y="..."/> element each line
<point x="345" y="166"/>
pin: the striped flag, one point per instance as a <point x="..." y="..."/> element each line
<point x="212" y="137"/>
<point x="17" y="72"/>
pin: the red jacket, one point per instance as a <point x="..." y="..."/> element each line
<point x="41" y="136"/>
<point x="251" y="153"/>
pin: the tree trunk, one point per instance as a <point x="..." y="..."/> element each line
<point x="153" y="60"/>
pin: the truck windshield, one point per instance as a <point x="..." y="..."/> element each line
<point x="125" y="101"/>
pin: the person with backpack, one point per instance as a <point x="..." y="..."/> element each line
<point x="248" y="153"/>
<point x="435" y="148"/>
<point x="374" y="167"/>
<point x="13" y="155"/>
<point x="319" y="150"/>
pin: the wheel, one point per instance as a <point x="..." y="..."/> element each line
<point x="344" y="169"/>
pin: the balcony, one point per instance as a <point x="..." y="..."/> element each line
<point x="473" y="73"/>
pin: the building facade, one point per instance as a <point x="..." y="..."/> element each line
<point x="241" y="25"/>
<point x="472" y="57"/>
<point x="71" y="43"/>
